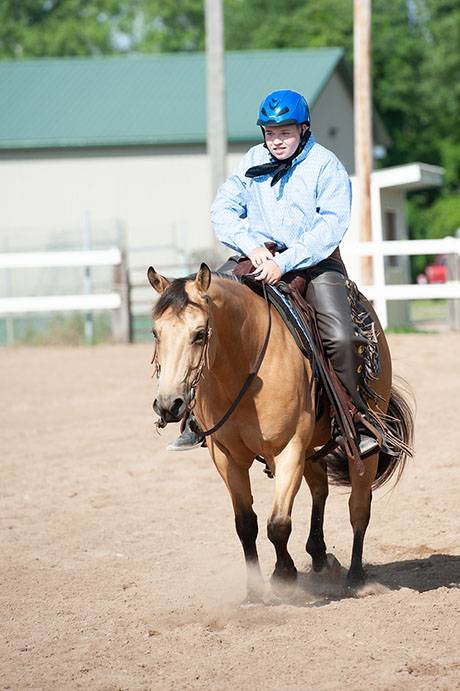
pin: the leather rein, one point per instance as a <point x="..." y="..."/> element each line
<point x="252" y="372"/>
<point x="247" y="382"/>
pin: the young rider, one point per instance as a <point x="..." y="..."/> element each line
<point x="293" y="192"/>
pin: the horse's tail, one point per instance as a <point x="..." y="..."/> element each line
<point x="399" y="422"/>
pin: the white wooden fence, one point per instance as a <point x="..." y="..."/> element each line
<point x="117" y="300"/>
<point x="380" y="292"/>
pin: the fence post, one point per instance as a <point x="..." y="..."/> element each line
<point x="453" y="274"/>
<point x="121" y="318"/>
<point x="378" y="257"/>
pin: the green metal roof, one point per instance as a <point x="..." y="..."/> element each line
<point x="140" y="99"/>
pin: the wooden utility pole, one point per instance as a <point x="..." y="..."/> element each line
<point x="217" y="125"/>
<point x="363" y="124"/>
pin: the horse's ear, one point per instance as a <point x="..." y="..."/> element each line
<point x="158" y="282"/>
<point x="203" y="278"/>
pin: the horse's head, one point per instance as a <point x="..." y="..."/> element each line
<point x="181" y="332"/>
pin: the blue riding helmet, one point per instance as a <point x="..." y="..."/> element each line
<point x="283" y="107"/>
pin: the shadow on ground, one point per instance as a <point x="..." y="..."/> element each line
<point x="436" y="571"/>
<point x="421" y="575"/>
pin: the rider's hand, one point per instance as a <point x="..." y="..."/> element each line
<point x="268" y="272"/>
<point x="259" y="256"/>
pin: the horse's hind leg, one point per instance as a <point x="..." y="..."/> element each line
<point x="360" y="511"/>
<point x="238" y="484"/>
<point x="316" y="478"/>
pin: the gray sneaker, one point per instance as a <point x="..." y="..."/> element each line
<point x="367" y="445"/>
<point x="188" y="438"/>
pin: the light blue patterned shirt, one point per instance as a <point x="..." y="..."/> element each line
<point x="306" y="213"/>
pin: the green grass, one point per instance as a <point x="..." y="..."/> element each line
<point x="429" y="310"/>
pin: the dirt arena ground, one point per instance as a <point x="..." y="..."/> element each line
<point x="120" y="568"/>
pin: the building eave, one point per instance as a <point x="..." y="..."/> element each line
<point x="412" y="176"/>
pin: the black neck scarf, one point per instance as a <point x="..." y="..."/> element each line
<point x="279" y="168"/>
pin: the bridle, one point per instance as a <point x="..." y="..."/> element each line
<point x="199" y="372"/>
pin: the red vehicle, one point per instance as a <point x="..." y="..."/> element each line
<point x="435" y="272"/>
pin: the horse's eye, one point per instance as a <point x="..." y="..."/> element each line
<point x="155" y="335"/>
<point x="199" y="337"/>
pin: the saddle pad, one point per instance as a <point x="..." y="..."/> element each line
<point x="288" y="313"/>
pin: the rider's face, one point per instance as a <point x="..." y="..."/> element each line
<point x="283" y="140"/>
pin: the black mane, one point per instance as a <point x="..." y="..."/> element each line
<point x="176" y="297"/>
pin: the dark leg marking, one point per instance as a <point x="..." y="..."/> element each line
<point x="316" y="547"/>
<point x="356" y="575"/>
<point x="278" y="531"/>
<point x="246" y="527"/>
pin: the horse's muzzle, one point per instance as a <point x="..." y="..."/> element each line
<point x="169" y="410"/>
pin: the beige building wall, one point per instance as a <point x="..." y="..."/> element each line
<point x="159" y="195"/>
<point x="397" y="269"/>
<point x="332" y="121"/>
<point x="161" y="199"/>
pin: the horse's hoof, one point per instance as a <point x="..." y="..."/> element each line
<point x="284" y="576"/>
<point x="331" y="570"/>
<point x="254" y="598"/>
<point x="318" y="564"/>
<point x="356" y="579"/>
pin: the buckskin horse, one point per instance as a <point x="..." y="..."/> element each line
<point x="209" y="330"/>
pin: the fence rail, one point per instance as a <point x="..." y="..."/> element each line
<point x="16" y="260"/>
<point x="60" y="303"/>
<point x="117" y="300"/>
<point x="393" y="248"/>
<point x="381" y="292"/>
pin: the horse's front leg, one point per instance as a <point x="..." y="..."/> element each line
<point x="236" y="477"/>
<point x="289" y="467"/>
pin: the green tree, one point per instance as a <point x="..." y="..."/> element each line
<point x="170" y="26"/>
<point x="438" y="214"/>
<point x="442" y="83"/>
<point x="61" y="27"/>
<point x="398" y="54"/>
<point x="257" y="24"/>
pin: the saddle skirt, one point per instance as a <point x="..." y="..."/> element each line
<point x="300" y="318"/>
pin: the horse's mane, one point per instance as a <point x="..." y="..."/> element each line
<point x="176" y="297"/>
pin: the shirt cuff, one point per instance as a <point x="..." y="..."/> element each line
<point x="284" y="261"/>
